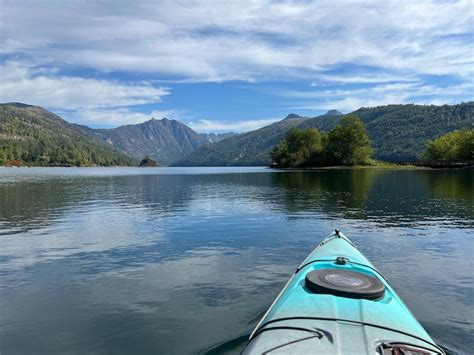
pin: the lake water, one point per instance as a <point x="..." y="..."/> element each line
<point x="185" y="260"/>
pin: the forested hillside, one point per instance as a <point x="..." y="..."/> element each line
<point x="401" y="132"/>
<point x="31" y="135"/>
<point x="252" y="148"/>
<point x="397" y="132"/>
<point x="323" y="123"/>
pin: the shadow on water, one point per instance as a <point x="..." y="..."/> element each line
<point x="232" y="346"/>
<point x="237" y="344"/>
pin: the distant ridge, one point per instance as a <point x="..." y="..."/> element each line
<point x="33" y="134"/>
<point x="165" y="140"/>
<point x="21" y="105"/>
<point x="398" y="133"/>
<point x="292" y="116"/>
<point x="334" y="113"/>
<point x="251" y="148"/>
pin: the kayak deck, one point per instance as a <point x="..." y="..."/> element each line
<point x="302" y="321"/>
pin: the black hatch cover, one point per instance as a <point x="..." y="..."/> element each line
<point x="345" y="283"/>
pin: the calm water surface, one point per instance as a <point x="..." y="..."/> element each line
<point x="185" y="260"/>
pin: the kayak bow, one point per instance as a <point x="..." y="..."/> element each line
<point x="337" y="302"/>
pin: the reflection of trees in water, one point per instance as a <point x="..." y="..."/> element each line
<point x="458" y="185"/>
<point x="38" y="203"/>
<point x="404" y="197"/>
<point x="32" y="204"/>
<point x="389" y="197"/>
<point x="454" y="191"/>
<point x="334" y="192"/>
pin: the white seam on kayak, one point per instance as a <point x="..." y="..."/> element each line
<point x="282" y="291"/>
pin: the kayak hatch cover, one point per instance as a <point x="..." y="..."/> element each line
<point x="337" y="302"/>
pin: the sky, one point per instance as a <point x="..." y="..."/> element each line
<point x="222" y="66"/>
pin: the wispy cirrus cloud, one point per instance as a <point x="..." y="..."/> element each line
<point x="382" y="94"/>
<point x="361" y="78"/>
<point x="205" y="125"/>
<point x="211" y="40"/>
<point x="104" y="62"/>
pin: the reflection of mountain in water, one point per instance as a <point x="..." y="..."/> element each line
<point x="36" y="204"/>
<point x="28" y="205"/>
<point x="385" y="196"/>
<point x="137" y="263"/>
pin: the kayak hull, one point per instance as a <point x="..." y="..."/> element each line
<point x="302" y="321"/>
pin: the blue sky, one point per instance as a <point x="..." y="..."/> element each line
<point x="232" y="65"/>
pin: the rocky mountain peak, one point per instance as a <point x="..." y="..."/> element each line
<point x="292" y="116"/>
<point x="333" y="113"/>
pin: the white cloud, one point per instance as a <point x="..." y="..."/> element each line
<point x="328" y="93"/>
<point x="360" y="79"/>
<point x="38" y="87"/>
<point x="392" y="46"/>
<point x="382" y="94"/>
<point x="205" y="125"/>
<point x="115" y="117"/>
<point x="247" y="40"/>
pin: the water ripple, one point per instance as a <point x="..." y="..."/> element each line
<point x="134" y="260"/>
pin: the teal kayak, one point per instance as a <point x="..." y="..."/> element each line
<point x="337" y="302"/>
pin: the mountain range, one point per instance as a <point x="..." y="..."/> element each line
<point x="39" y="137"/>
<point x="251" y="148"/>
<point x="163" y="140"/>
<point x="398" y="133"/>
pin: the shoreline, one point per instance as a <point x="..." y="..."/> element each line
<point x="465" y="165"/>
<point x="356" y="167"/>
<point x="386" y="166"/>
<point x="360" y="167"/>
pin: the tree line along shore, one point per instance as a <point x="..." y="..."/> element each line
<point x="348" y="145"/>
